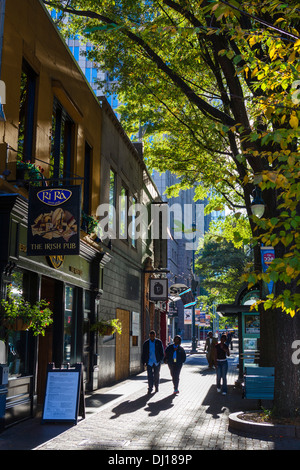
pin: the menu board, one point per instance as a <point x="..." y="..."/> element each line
<point x="62" y="397"/>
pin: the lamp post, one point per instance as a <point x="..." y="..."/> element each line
<point x="257" y="204"/>
<point x="194" y="284"/>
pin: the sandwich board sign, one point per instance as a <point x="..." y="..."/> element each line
<point x="64" y="394"/>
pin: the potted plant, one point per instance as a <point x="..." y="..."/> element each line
<point x="107" y="327"/>
<point x="19" y="314"/>
<point x="88" y="223"/>
<point x="27" y="171"/>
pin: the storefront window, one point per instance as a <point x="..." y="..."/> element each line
<point x="86" y="334"/>
<point x="17" y="342"/>
<point x="68" y="323"/>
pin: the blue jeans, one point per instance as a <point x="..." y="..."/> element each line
<point x="222" y="369"/>
<point x="153" y="375"/>
<point x="175" y="372"/>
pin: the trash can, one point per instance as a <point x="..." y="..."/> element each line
<point x="3" y="394"/>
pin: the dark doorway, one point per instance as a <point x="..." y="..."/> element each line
<point x="45" y="350"/>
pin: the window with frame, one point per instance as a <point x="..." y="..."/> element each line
<point x="123" y="212"/>
<point x="26" y="113"/>
<point x="112" y="200"/>
<point x="87" y="179"/>
<point x="62" y="137"/>
<point x="133" y="222"/>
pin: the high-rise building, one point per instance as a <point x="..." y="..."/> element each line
<point x="182" y="244"/>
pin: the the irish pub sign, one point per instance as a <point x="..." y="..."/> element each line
<point x="53" y="221"/>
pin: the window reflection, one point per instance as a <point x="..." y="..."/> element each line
<point x="68" y="321"/>
<point x="17" y="341"/>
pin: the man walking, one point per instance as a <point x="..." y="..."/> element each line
<point x="175" y="356"/>
<point x="152" y="356"/>
<point x="210" y="348"/>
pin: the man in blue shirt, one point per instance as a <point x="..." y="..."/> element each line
<point x="152" y="356"/>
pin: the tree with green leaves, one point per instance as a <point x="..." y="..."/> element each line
<point x="221" y="265"/>
<point x="215" y="85"/>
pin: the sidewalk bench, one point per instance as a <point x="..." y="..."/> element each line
<point x="255" y="370"/>
<point x="259" y="383"/>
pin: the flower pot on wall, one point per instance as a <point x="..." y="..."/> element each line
<point x="16" y="324"/>
<point x="19" y="314"/>
<point x="107" y="331"/>
<point x="107" y="327"/>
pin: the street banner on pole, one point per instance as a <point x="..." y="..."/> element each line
<point x="187" y="298"/>
<point x="267" y="256"/>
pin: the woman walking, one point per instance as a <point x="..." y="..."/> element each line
<point x="221" y="353"/>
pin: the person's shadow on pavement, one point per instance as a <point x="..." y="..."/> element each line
<point x="129" y="406"/>
<point x="155" y="407"/>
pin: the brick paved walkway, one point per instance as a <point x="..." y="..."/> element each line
<point x="128" y="419"/>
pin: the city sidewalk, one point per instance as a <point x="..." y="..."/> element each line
<point x="124" y="418"/>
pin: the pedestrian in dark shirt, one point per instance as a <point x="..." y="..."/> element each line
<point x="221" y="353"/>
<point x="175" y="356"/>
<point x="230" y="335"/>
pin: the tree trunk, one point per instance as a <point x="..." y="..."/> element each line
<point x="267" y="337"/>
<point x="287" y="368"/>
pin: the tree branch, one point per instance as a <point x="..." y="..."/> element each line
<point x="201" y="104"/>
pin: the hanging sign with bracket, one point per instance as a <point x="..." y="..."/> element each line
<point x="53" y="221"/>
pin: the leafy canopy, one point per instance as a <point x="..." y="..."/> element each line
<point x="213" y="88"/>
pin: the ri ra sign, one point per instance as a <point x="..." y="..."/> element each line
<point x="53" y="221"/>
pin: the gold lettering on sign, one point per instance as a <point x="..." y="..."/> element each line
<point x="75" y="270"/>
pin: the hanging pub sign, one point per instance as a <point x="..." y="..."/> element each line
<point x="158" y="290"/>
<point x="53" y="221"/>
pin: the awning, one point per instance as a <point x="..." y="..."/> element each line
<point x="232" y="309"/>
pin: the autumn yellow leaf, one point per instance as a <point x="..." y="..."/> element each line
<point x="294" y="121"/>
<point x="292" y="57"/>
<point x="269" y="111"/>
<point x="297" y="44"/>
<point x="290" y="271"/>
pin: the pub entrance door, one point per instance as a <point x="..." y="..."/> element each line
<point x="45" y="342"/>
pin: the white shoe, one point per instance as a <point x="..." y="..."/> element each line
<point x="218" y="389"/>
<point x="223" y="393"/>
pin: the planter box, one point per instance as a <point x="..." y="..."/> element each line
<point x="16" y="325"/>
